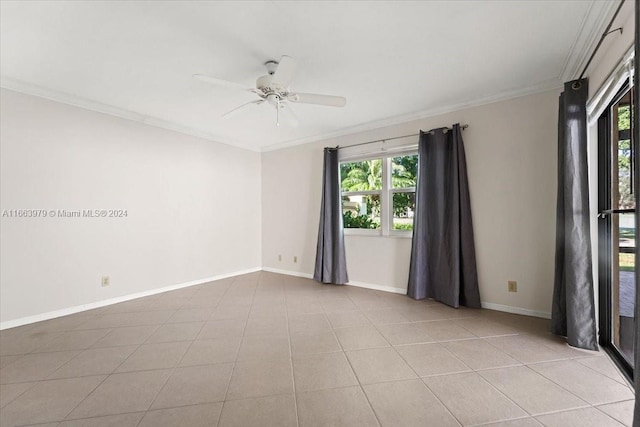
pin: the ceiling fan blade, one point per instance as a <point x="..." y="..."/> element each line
<point x="285" y="72"/>
<point x="220" y="82"/>
<point x="257" y="102"/>
<point x="314" y="98"/>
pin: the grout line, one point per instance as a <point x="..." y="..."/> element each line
<point x="293" y="376"/>
<point x="244" y="329"/>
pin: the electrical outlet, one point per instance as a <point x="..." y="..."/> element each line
<point x="295" y="259"/>
<point x="106" y="281"/>
<point x="279" y="257"/>
<point x="512" y="285"/>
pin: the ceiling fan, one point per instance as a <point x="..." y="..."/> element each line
<point x="273" y="88"/>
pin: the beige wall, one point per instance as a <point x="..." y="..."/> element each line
<point x="511" y="156"/>
<point x="193" y="207"/>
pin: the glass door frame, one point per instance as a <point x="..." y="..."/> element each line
<point x="605" y="248"/>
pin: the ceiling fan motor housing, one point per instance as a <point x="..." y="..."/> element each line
<point x="264" y="83"/>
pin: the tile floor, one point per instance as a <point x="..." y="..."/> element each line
<point x="271" y="350"/>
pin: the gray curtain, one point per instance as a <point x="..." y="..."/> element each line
<point x="443" y="257"/>
<point x="573" y="313"/>
<point x="331" y="263"/>
<point x="636" y="141"/>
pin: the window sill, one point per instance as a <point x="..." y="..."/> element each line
<point x="375" y="233"/>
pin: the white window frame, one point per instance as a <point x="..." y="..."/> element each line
<point x="386" y="194"/>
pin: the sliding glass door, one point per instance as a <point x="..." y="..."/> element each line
<point x="616" y="229"/>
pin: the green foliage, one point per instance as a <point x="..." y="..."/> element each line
<point x="624" y="117"/>
<point x="367" y="176"/>
<point x="357" y="221"/>
<point x="361" y="176"/>
<point x="403" y="227"/>
<point x="624" y="160"/>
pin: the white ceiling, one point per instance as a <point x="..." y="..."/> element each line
<point x="393" y="61"/>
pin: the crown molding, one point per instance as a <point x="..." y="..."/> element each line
<point x="76" y="101"/>
<point x="545" y="86"/>
<point x="69" y="99"/>
<point x="593" y="25"/>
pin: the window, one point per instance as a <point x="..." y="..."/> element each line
<point x="379" y="194"/>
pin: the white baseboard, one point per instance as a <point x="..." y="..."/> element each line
<point x="84" y="307"/>
<point x="377" y="287"/>
<point x="77" y="309"/>
<point x="350" y="283"/>
<point x="487" y="305"/>
<point x="516" y="310"/>
<point x="288" y="272"/>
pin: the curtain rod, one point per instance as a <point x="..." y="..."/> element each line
<point x="463" y="127"/>
<point x="602" y="37"/>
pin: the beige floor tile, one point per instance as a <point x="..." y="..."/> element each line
<point x="301" y="323"/>
<point x="155" y="356"/>
<point x="267" y="325"/>
<point x="16" y="342"/>
<point x="559" y="344"/>
<point x="194" y="385"/>
<point x="124" y="420"/>
<point x="314" y="342"/>
<point x="406" y="333"/>
<point x="221" y="328"/>
<point x="217" y="350"/>
<point x="271" y="411"/>
<point x="531" y="391"/>
<point x="605" y="366"/>
<point x="129" y="335"/>
<point x="620" y="411"/>
<point x="586" y="417"/>
<point x="526" y="348"/>
<point x="426" y="312"/>
<point x="383" y="316"/>
<point x="156" y="317"/>
<point x="172" y="332"/>
<point x="446" y="330"/>
<point x="257" y="319"/>
<point x="472" y="400"/>
<point x="105" y="321"/>
<point x="431" y="359"/>
<point x="35" y="367"/>
<point x="6" y="360"/>
<point x="8" y="392"/>
<point x="338" y="305"/>
<point x="478" y="354"/>
<point x="378" y="365"/>
<point x="230" y="312"/>
<point x="74" y="340"/>
<point x="336" y="407"/>
<point x="204" y="415"/>
<point x="122" y="393"/>
<point x="94" y="361"/>
<point x="65" y="323"/>
<point x="345" y="319"/>
<point x="585" y="383"/>
<point x="191" y="315"/>
<point x="485" y="327"/>
<point x="264" y="347"/>
<point x="360" y="337"/>
<point x="48" y="401"/>
<point x="522" y="422"/>
<point x="260" y="378"/>
<point x="295" y="307"/>
<point x="322" y="371"/>
<point x="407" y="403"/>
